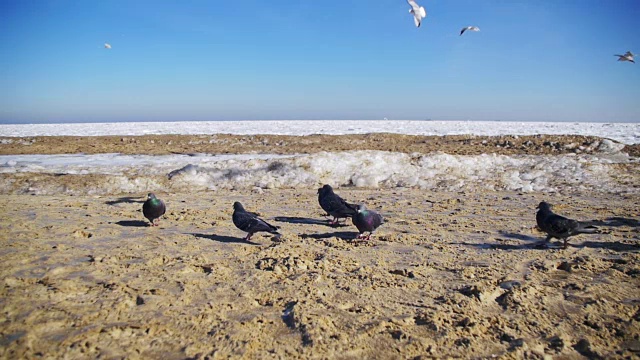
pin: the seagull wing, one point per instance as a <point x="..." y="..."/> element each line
<point x="463" y="30"/>
<point x="416" y="20"/>
<point x="423" y="12"/>
<point x="414" y="5"/>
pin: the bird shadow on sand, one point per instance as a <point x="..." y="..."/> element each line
<point x="125" y="200"/>
<point x="501" y="246"/>
<point x="615" y="245"/>
<point x="306" y="221"/>
<point x="133" y="223"/>
<point x="344" y="235"/>
<point x="224" y="239"/>
<point x="531" y="242"/>
<point x="615" y="222"/>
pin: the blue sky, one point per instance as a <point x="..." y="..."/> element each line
<point x="542" y="60"/>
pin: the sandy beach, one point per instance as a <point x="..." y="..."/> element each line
<point x="449" y="274"/>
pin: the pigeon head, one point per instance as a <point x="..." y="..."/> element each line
<point x="326" y="189"/>
<point x="151" y="196"/>
<point x="544" y="206"/>
<point x="238" y="206"/>
<point x="361" y="208"/>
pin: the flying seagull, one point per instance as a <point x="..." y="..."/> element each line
<point x="153" y="208"/>
<point x="334" y="205"/>
<point x="107" y="46"/>
<point x="470" y="28"/>
<point x="250" y="222"/>
<point x="418" y="12"/>
<point x="628" y="56"/>
<point x="366" y="221"/>
<point x="560" y="227"/>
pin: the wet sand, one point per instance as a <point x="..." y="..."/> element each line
<point x="448" y="275"/>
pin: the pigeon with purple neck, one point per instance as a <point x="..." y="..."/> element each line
<point x="366" y="221"/>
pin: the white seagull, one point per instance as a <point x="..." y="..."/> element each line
<point x="418" y="12"/>
<point x="628" y="56"/>
<point x="470" y="28"/>
<point x="107" y="46"/>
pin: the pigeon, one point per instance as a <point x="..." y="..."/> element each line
<point x="153" y="208"/>
<point x="107" y="46"/>
<point x="366" y="221"/>
<point x="250" y="222"/>
<point x="334" y="205"/>
<point x="470" y="28"/>
<point x="628" y="56"/>
<point x="560" y="227"/>
<point x="418" y="12"/>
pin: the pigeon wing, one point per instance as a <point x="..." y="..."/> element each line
<point x="257" y="225"/>
<point x="561" y="226"/>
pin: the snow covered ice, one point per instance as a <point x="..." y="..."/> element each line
<point x="370" y="169"/>
<point x="627" y="133"/>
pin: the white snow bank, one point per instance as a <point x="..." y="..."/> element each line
<point x="372" y="169"/>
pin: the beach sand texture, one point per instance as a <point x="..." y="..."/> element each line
<point x="450" y="274"/>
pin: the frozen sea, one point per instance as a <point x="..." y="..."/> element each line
<point x="627" y="133"/>
<point x="138" y="174"/>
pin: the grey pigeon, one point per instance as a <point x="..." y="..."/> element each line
<point x="470" y="28"/>
<point x="366" y="221"/>
<point x="334" y="205"/>
<point x="153" y="208"/>
<point x="628" y="56"/>
<point x="250" y="222"/>
<point x="560" y="227"/>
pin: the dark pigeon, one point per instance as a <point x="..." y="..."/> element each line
<point x="250" y="222"/>
<point x="560" y="227"/>
<point x="366" y="221"/>
<point x="334" y="205"/>
<point x="153" y="208"/>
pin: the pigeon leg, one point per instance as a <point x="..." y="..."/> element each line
<point x="565" y="243"/>
<point x="334" y="221"/>
<point x="248" y="237"/>
<point x="543" y="244"/>
<point x="368" y="237"/>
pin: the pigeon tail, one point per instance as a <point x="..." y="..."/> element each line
<point x="587" y="228"/>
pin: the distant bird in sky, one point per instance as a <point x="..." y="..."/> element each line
<point x="153" y="208"/>
<point x="107" y="46"/>
<point x="560" y="227"/>
<point x="418" y="12"/>
<point x="628" y="56"/>
<point x="470" y="28"/>
<point x="366" y="221"/>
<point x="250" y="222"/>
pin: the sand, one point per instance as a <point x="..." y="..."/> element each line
<point x="448" y="275"/>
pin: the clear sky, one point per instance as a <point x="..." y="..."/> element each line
<point x="541" y="60"/>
